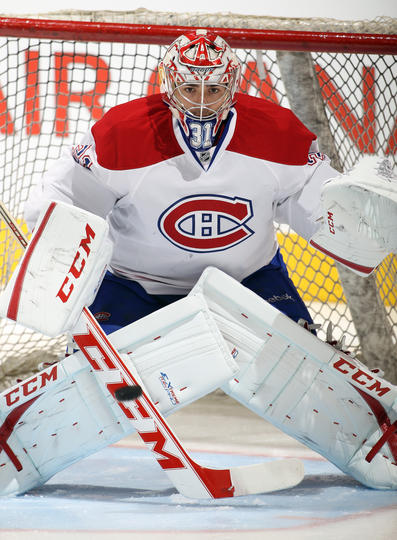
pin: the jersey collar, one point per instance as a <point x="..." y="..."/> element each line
<point x="216" y="151"/>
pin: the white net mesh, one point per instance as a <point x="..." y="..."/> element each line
<point x="52" y="90"/>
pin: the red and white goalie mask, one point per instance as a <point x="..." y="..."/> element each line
<point x="200" y="75"/>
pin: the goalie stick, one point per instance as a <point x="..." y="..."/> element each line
<point x="190" y="479"/>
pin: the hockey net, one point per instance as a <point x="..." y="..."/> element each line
<point x="60" y="72"/>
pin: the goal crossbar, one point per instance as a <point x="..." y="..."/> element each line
<point x="283" y="40"/>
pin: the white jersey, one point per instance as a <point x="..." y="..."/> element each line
<point x="171" y="215"/>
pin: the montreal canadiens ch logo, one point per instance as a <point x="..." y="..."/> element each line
<point x="205" y="223"/>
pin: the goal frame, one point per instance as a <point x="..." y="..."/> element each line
<point x="291" y="46"/>
<point x="155" y="34"/>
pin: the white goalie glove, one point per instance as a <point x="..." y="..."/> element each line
<point x="359" y="226"/>
<point x="54" y="281"/>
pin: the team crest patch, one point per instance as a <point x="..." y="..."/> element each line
<point x="81" y="155"/>
<point x="206" y="223"/>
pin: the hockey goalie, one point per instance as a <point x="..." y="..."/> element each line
<point x="160" y="226"/>
<point x="220" y="335"/>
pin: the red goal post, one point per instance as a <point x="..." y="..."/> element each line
<point x="59" y="73"/>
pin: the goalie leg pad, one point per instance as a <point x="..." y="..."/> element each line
<point x="318" y="395"/>
<point x="68" y="411"/>
<point x="52" y="420"/>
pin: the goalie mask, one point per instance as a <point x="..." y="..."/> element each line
<point x="200" y="75"/>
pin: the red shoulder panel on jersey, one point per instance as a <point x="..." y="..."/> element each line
<point x="268" y="131"/>
<point x="135" y="134"/>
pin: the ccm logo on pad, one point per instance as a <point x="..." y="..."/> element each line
<point x="31" y="386"/>
<point x="331" y="224"/>
<point x="360" y="377"/>
<point x="77" y="266"/>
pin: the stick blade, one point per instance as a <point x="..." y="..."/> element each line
<point x="267" y="476"/>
